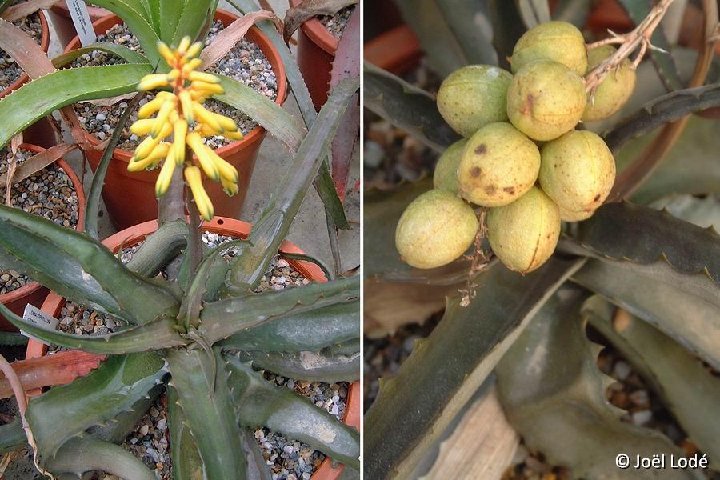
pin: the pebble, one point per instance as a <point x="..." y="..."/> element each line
<point x="641" y="417"/>
<point x="336" y="23"/>
<point x="245" y="62"/>
<point x="9" y="69"/>
<point x="48" y="193"/>
<point x="621" y="370"/>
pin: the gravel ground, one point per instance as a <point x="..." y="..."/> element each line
<point x="9" y="69"/>
<point x="336" y="23"/>
<point x="245" y="62"/>
<point x="48" y="193"/>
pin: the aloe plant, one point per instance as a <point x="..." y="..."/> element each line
<point x="645" y="279"/>
<point x="201" y="336"/>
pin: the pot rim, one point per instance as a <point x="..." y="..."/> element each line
<point x="77" y="184"/>
<point x="254" y="34"/>
<point x="44" y="44"/>
<point x="316" y="31"/>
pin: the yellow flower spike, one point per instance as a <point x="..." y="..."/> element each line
<point x="194" y="50"/>
<point x="143" y="126"/>
<point x="179" y="133"/>
<point x="184" y="44"/>
<point x="163" y="116"/>
<point x="166" y="53"/>
<point x="146" y="147"/>
<point x="186" y="104"/>
<point x="203" y="77"/>
<point x="205" y="116"/>
<point x="164" y="178"/>
<point x="194" y="181"/>
<point x="230" y="188"/>
<point x="154" y="80"/>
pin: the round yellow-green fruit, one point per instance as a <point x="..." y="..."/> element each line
<point x="435" y="229"/>
<point x="545" y="100"/>
<point x="446" y="170"/>
<point x="499" y="165"/>
<point x="577" y="172"/>
<point x="525" y="233"/>
<point x="473" y="96"/>
<point x="615" y="89"/>
<point x="558" y="42"/>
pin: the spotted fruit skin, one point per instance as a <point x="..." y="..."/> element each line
<point x="577" y="171"/>
<point x="446" y="170"/>
<point x="435" y="229"/>
<point x="558" y="42"/>
<point x="525" y="233"/>
<point x="615" y="89"/>
<point x="498" y="166"/>
<point x="473" y="96"/>
<point x="545" y="100"/>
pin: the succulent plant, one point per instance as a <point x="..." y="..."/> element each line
<point x="644" y="281"/>
<point x="200" y="336"/>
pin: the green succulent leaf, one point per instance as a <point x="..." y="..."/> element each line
<point x="508" y="27"/>
<point x="12" y="339"/>
<point x="12" y="436"/>
<point x="159" y="248"/>
<point x="534" y="12"/>
<point x="130" y="56"/>
<point x="41" y="97"/>
<point x="554" y="395"/>
<point x="449" y="33"/>
<point x="688" y="388"/>
<point x="195" y="14"/>
<point x="258" y="468"/>
<point x="79" y="268"/>
<point x="155" y="335"/>
<point x="200" y="380"/>
<point x="224" y="318"/>
<point x="573" y="11"/>
<point x="81" y="455"/>
<point x="643" y="235"/>
<point x="309" y="366"/>
<point x="406" y="106"/>
<point x="187" y="464"/>
<point x="274" y="223"/>
<point x="309" y="331"/>
<point x="281" y="410"/>
<point x="125" y="422"/>
<point x="115" y="387"/>
<point x="447" y="368"/>
<point x="138" y="20"/>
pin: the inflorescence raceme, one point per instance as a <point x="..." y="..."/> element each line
<point x="181" y="113"/>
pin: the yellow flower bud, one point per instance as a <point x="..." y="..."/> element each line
<point x="230" y="188"/>
<point x="227" y="171"/>
<point x="191" y="65"/>
<point x="146" y="147"/>
<point x="179" y="132"/>
<point x="203" y="77"/>
<point x="166" y="53"/>
<point x="164" y="178"/>
<point x="205" y="158"/>
<point x="186" y="104"/>
<point x="194" y="50"/>
<point x="233" y="135"/>
<point x="151" y="107"/>
<point x="163" y="116"/>
<point x="227" y="124"/>
<point x="143" y="126"/>
<point x="153" y="81"/>
<point x="206" y="88"/>
<point x="204" y="115"/>
<point x="194" y="181"/>
<point x="184" y="44"/>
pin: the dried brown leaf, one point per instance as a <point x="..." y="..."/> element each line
<point x="295" y="16"/>
<point x="22" y="10"/>
<point x="36" y="163"/>
<point x="23" y="49"/>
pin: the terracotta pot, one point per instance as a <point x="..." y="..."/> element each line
<point x="315" y="56"/>
<point x="351" y="418"/>
<point x="44" y="43"/>
<point x="34" y="293"/>
<point x="96" y="13"/>
<point x="396" y="50"/>
<point x="123" y="189"/>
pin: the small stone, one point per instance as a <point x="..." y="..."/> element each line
<point x="621" y="370"/>
<point x="641" y="417"/>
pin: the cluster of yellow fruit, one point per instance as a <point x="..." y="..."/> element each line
<point x="175" y="112"/>
<point x="521" y="155"/>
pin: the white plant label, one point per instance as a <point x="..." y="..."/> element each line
<point x="39" y="318"/>
<point x="81" y="19"/>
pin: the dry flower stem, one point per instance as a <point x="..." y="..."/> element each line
<point x="479" y="260"/>
<point x="629" y="43"/>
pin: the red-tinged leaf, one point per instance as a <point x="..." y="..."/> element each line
<point x="22" y="10"/>
<point x="346" y="65"/>
<point x="39" y="161"/>
<point x="295" y="16"/>
<point x="23" y="49"/>
<point x="49" y="371"/>
<point x="228" y="37"/>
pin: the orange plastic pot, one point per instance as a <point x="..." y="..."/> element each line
<point x="34" y="293"/>
<point x="351" y="417"/>
<point x="315" y="56"/>
<point x="44" y="43"/>
<point x="130" y="197"/>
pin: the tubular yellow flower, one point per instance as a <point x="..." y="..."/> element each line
<point x="194" y="181"/>
<point x="175" y="114"/>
